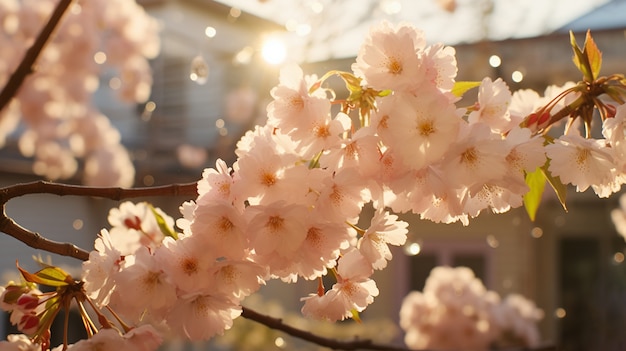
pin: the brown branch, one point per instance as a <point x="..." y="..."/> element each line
<point x="27" y="65"/>
<point x="278" y="324"/>
<point x="37" y="241"/>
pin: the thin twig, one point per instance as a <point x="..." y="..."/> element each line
<point x="37" y="241"/>
<point x="27" y="65"/>
<point x="278" y="324"/>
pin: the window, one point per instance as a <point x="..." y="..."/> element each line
<point x="472" y="254"/>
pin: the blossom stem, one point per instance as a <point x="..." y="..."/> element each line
<point x="87" y="322"/>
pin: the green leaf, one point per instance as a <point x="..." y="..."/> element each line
<point x="555" y="182"/>
<point x="165" y="229"/>
<point x="580" y="59"/>
<point x="593" y="54"/>
<point x="536" y="181"/>
<point x="461" y="88"/>
<point x="355" y="315"/>
<point x="385" y="92"/>
<point x="50" y="276"/>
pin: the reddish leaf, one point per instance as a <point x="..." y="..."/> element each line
<point x="50" y="276"/>
<point x="593" y="54"/>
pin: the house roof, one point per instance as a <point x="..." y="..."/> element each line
<point x="611" y="15"/>
<point x="337" y="27"/>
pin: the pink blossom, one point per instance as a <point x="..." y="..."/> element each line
<point x="143" y="338"/>
<point x="18" y="342"/>
<point x="354" y="290"/>
<point x="216" y="183"/>
<point x="100" y="270"/>
<point x="583" y="163"/>
<point x="200" y="316"/>
<point x="220" y="228"/>
<point x="276" y="232"/>
<point x="494" y="98"/>
<point x="143" y="288"/>
<point x="360" y="151"/>
<point x="135" y="225"/>
<point x="293" y="109"/>
<point x="185" y="262"/>
<point x="419" y="129"/>
<point x="321" y="247"/>
<point x="389" y="58"/>
<point x="477" y="157"/>
<point x="268" y="169"/>
<point x="104" y="340"/>
<point x="385" y="229"/>
<point x="237" y="278"/>
<point x="341" y="197"/>
<point x="441" y="65"/>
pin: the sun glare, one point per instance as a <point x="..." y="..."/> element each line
<point x="274" y="51"/>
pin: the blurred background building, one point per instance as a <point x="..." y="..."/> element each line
<point x="219" y="60"/>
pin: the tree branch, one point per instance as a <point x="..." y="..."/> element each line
<point x="278" y="324"/>
<point x="27" y="65"/>
<point x="37" y="241"/>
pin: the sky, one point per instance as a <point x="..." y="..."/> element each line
<point x="335" y="28"/>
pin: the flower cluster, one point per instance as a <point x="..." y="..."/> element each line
<point x="456" y="312"/>
<point x="33" y="313"/>
<point x="55" y="101"/>
<point x="292" y="205"/>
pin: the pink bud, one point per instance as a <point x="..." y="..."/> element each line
<point x="133" y="223"/>
<point x="27" y="302"/>
<point x="544" y="120"/>
<point x="28" y="324"/>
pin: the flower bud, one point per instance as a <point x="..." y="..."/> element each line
<point x="28" y="324"/>
<point x="27" y="302"/>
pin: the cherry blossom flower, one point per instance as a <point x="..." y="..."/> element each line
<point x="419" y="129"/>
<point x="143" y="288"/>
<point x="200" y="316"/>
<point x="238" y="278"/>
<point x="477" y="157"/>
<point x="389" y="57"/>
<point x="494" y="98"/>
<point x="276" y="233"/>
<point x="105" y="339"/>
<point x="216" y="183"/>
<point x="583" y="163"/>
<point x="220" y="228"/>
<point x="324" y="135"/>
<point x="134" y="225"/>
<point x="353" y="291"/>
<point x="143" y="338"/>
<point x="321" y="247"/>
<point x="100" y="270"/>
<point x="517" y="317"/>
<point x="268" y="171"/>
<point x="441" y="65"/>
<point x="292" y="98"/>
<point x="384" y="229"/>
<point x="340" y="196"/>
<point x="360" y="151"/>
<point x="614" y="131"/>
<point x="185" y="262"/>
<point x="18" y="342"/>
<point x="455" y="303"/>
